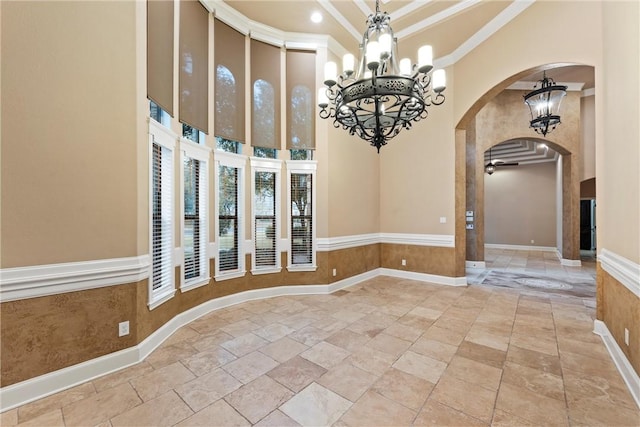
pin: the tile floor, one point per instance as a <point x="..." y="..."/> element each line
<point x="385" y="352"/>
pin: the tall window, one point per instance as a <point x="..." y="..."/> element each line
<point x="301" y="81"/>
<point x="195" y="236"/>
<point x="263" y="119"/>
<point x="162" y="145"/>
<point x="229" y="220"/>
<point x="266" y="215"/>
<point x="301" y="198"/>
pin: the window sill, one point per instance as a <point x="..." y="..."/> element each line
<point x="228" y="276"/>
<point x="266" y="270"/>
<point x="161" y="299"/>
<point x="295" y="268"/>
<point x="195" y="283"/>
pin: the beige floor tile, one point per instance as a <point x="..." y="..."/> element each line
<point x="595" y="351"/>
<point x="389" y="344"/>
<point x="161" y="380"/>
<point x="373" y="409"/>
<point x="547" y="345"/>
<point x="206" y="361"/>
<point x="102" y="406"/>
<point x="249" y="367"/>
<point x="383" y="320"/>
<point x="325" y="354"/>
<point x="531" y="406"/>
<point x="185" y="334"/>
<point x="475" y="372"/>
<point x="315" y="406"/>
<point x="258" y="398"/>
<point x="122" y="376"/>
<point x="283" y="349"/>
<point x="244" y="344"/>
<point x="366" y="328"/>
<point x="505" y="419"/>
<point x="534" y="359"/>
<point x="50" y="419"/>
<point x="594" y="411"/>
<point x="209" y="324"/>
<point x="348" y="315"/>
<point x="204" y="390"/>
<point x="274" y="331"/>
<point x="420" y="366"/>
<point x="427" y="313"/>
<point x="211" y="341"/>
<point x="436" y="414"/>
<point x="240" y="327"/>
<point x="330" y="324"/>
<point x="465" y="397"/>
<point x="219" y="413"/>
<point x="407" y="333"/>
<point x="296" y="373"/>
<point x="414" y="321"/>
<point x="167" y="355"/>
<point x="55" y="401"/>
<point x="165" y="410"/>
<point x="611" y="391"/>
<point x="443" y="335"/>
<point x="370" y="360"/>
<point x="309" y="335"/>
<point x="405" y="389"/>
<point x="349" y="340"/>
<point x="434" y="349"/>
<point x="488" y="340"/>
<point x="347" y="380"/>
<point x="9" y="418"/>
<point x="277" y="419"/>
<point x="535" y="380"/>
<point x="296" y="322"/>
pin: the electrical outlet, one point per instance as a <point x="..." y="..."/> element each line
<point x="533" y="241"/>
<point x="443" y="220"/>
<point x="123" y="328"/>
<point x="335" y="272"/>
<point x="626" y="336"/>
<point x="404" y="262"/>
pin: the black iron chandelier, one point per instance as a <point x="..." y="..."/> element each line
<point x="544" y="104"/>
<point x="382" y="95"/>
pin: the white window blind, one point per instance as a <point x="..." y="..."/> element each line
<point x="162" y="220"/>
<point x="266" y="215"/>
<point x="301" y="218"/>
<point x="195" y="235"/>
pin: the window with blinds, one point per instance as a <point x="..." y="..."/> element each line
<point x="228" y="219"/>
<point x="229" y="63"/>
<point x="266" y="215"/>
<point x="301" y="83"/>
<point x="265" y="88"/>
<point x="195" y="236"/>
<point x="301" y="208"/>
<point x="162" y="224"/>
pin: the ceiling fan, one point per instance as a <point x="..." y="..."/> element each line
<point x="490" y="167"/>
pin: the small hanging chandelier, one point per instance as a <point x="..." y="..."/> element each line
<point x="544" y="104"/>
<point x="382" y="95"/>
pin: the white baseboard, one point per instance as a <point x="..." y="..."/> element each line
<point x="44" y="385"/>
<point x="629" y="375"/>
<point x="475" y="264"/>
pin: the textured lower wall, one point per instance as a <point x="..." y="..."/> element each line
<point x="619" y="308"/>
<point x="353" y="261"/>
<point x="435" y="260"/>
<point x="41" y="335"/>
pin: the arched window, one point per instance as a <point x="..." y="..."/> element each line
<point x="301" y="121"/>
<point x="264" y="115"/>
<point x="226" y="111"/>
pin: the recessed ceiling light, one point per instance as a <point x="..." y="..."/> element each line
<point x="316" y="17"/>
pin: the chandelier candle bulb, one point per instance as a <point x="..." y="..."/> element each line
<point x="439" y="80"/>
<point x="348" y="63"/>
<point x="323" y="100"/>
<point x="373" y="55"/>
<point x="425" y="59"/>
<point x="385" y="45"/>
<point x="405" y="66"/>
<point x="330" y="73"/>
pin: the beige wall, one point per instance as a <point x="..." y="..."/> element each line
<point x="618" y="156"/>
<point x="520" y="205"/>
<point x="68" y="135"/>
<point x="588" y="140"/>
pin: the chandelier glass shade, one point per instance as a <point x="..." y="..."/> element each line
<point x="380" y="95"/>
<point x="544" y="105"/>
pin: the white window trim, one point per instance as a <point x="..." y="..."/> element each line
<point x="223" y="158"/>
<point x="308" y="167"/>
<point x="259" y="164"/>
<point x="190" y="149"/>
<point x="163" y="136"/>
